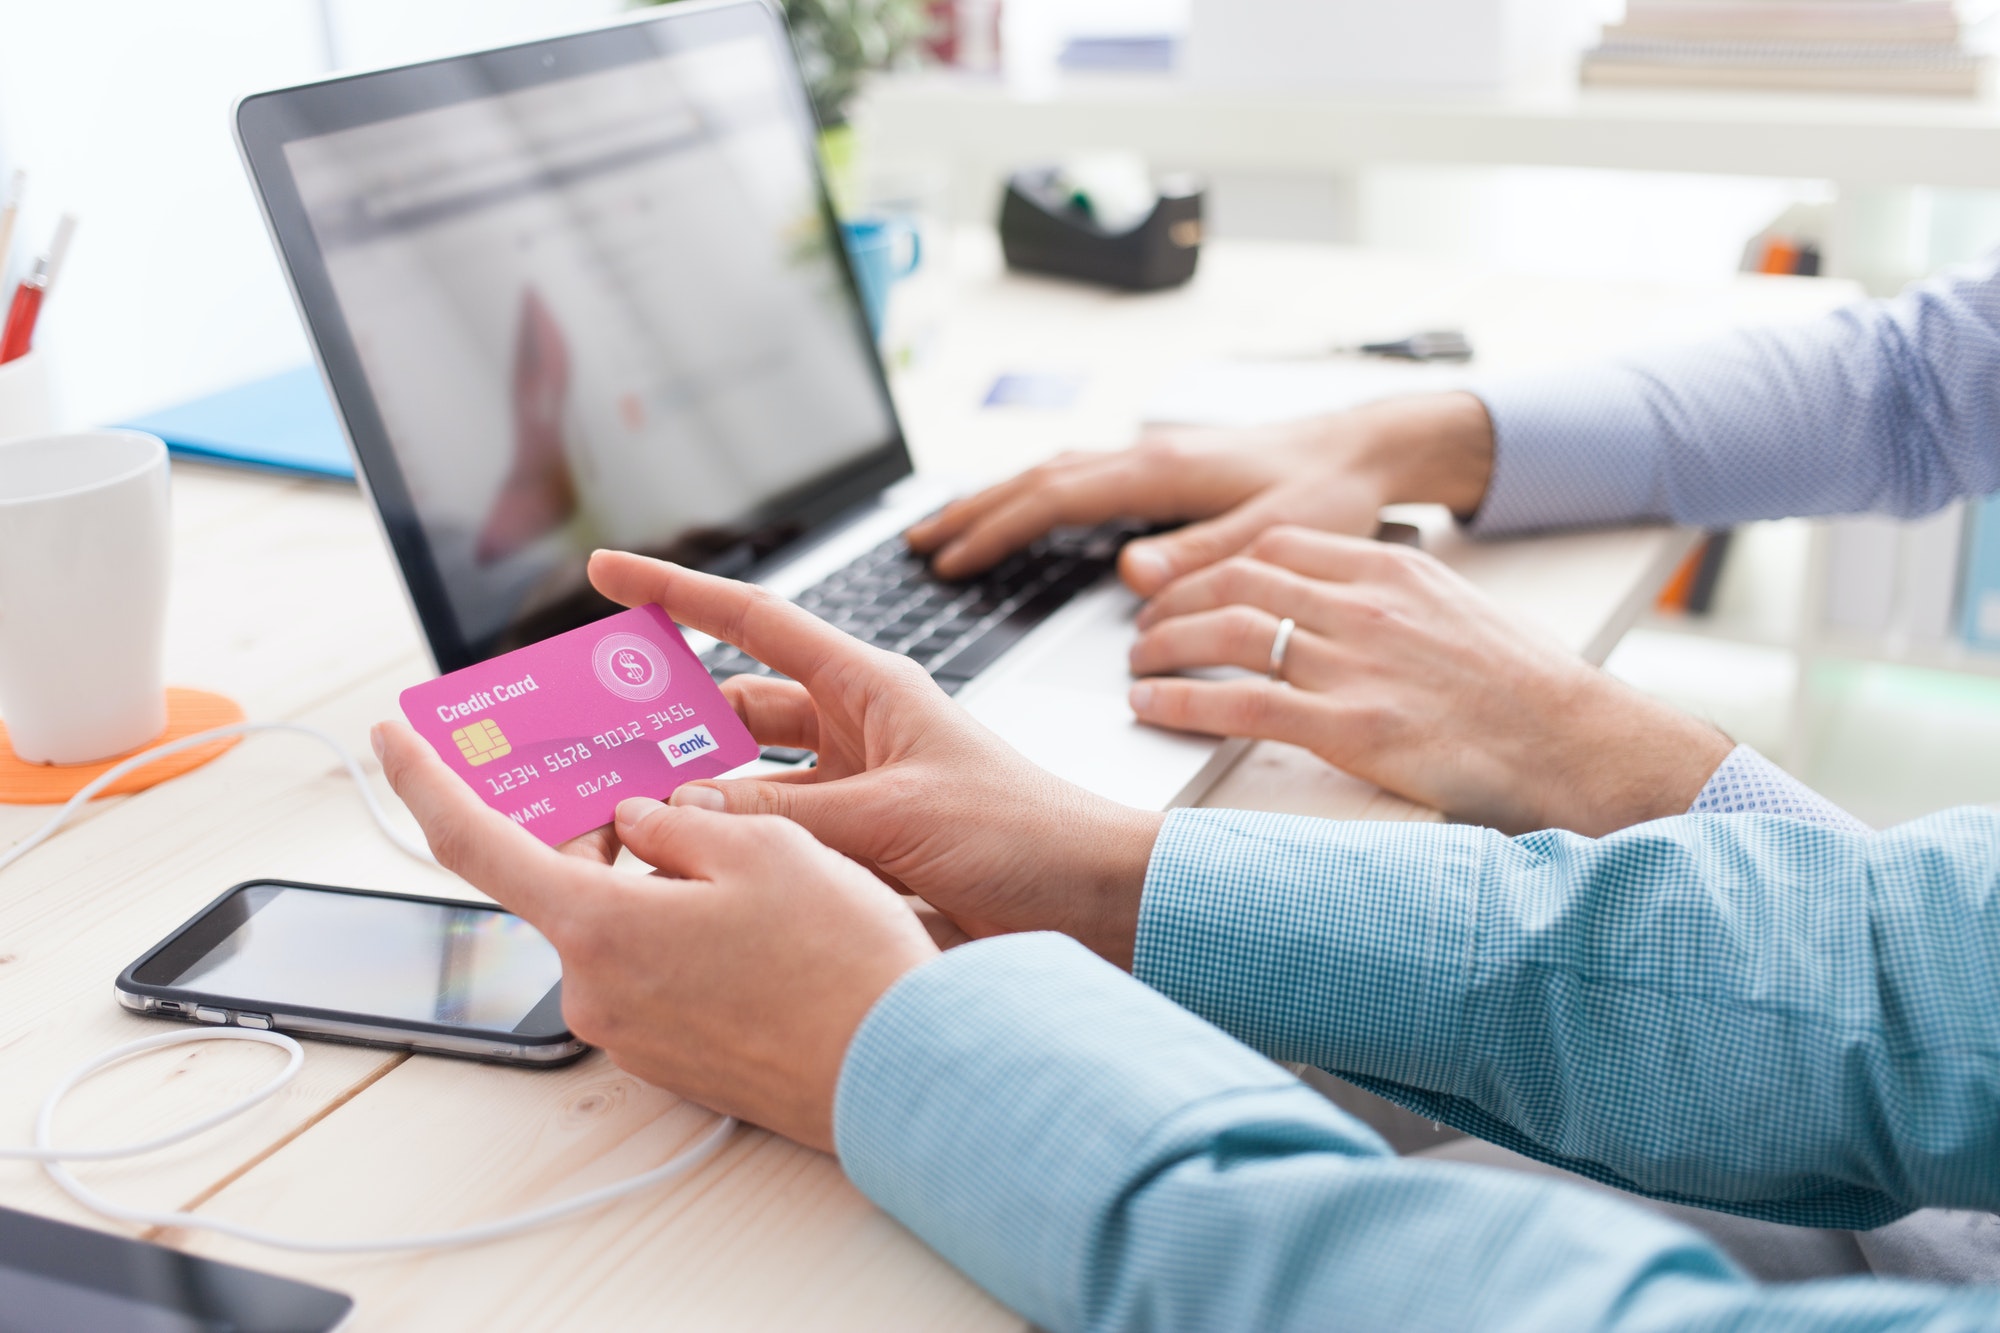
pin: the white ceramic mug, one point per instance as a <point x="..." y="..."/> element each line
<point x="83" y="594"/>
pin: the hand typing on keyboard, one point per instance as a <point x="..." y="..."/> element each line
<point x="889" y="598"/>
<point x="1331" y="473"/>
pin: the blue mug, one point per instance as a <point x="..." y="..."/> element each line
<point x="872" y="245"/>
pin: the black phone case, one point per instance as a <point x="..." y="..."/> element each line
<point x="129" y="984"/>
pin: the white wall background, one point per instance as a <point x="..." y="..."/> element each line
<point x="119" y="111"/>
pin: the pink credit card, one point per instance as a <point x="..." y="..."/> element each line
<point x="556" y="734"/>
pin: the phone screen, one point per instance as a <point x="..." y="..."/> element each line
<point x="273" y="946"/>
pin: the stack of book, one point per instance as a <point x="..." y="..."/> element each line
<point x="1868" y="46"/>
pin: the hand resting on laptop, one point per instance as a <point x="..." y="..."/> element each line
<point x="1401" y="672"/>
<point x="1332" y="473"/>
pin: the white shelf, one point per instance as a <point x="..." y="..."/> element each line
<point x="1935" y="656"/>
<point x="1853" y="140"/>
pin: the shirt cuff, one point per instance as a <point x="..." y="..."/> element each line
<point x="1748" y="783"/>
<point x="1001" y="1101"/>
<point x="1570" y="449"/>
<point x="1251" y="920"/>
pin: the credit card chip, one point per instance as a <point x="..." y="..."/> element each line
<point x="482" y="742"/>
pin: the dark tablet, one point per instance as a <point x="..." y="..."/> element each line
<point x="56" y="1278"/>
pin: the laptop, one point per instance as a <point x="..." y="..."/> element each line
<point x="589" y="292"/>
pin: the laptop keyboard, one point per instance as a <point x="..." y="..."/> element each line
<point x="888" y="597"/>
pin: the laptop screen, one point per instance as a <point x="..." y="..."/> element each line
<point x="591" y="297"/>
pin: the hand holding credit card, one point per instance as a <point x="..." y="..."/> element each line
<point x="556" y="734"/>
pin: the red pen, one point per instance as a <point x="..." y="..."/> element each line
<point x="18" y="335"/>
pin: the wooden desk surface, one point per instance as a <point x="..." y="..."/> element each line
<point x="284" y="597"/>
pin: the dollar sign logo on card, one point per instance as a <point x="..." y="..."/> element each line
<point x="631" y="667"/>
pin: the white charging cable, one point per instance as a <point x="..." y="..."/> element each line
<point x="53" y="1158"/>
<point x="199" y="738"/>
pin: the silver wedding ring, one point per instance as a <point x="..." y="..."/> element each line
<point x="1279" y="645"/>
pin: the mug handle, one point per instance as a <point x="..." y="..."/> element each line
<point x="916" y="251"/>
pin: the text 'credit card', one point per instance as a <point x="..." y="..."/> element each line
<point x="556" y="734"/>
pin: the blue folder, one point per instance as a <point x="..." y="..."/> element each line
<point x="283" y="423"/>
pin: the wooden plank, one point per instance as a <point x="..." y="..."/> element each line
<point x="1288" y="780"/>
<point x="290" y="602"/>
<point x="78" y="909"/>
<point x="767" y="1235"/>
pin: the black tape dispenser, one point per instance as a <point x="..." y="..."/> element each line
<point x="1112" y="226"/>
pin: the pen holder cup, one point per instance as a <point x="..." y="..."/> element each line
<point x="24" y="397"/>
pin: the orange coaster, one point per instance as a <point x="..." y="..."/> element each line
<point x="188" y="711"/>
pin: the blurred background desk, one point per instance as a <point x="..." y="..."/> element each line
<point x="1346" y="134"/>
<point x="284" y="598"/>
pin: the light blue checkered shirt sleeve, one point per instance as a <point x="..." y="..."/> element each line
<point x="1890" y="407"/>
<point x="1752" y="1013"/>
<point x="1098" y="1158"/>
<point x="1748" y="783"/>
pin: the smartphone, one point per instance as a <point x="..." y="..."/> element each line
<point x="383" y="969"/>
